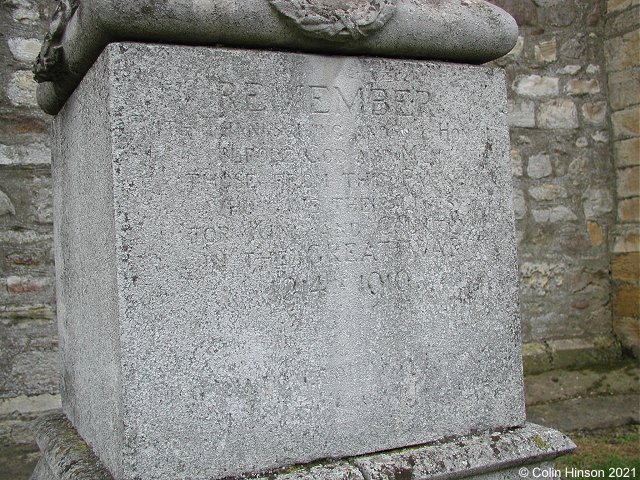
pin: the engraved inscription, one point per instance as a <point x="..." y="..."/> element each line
<point x="339" y="186"/>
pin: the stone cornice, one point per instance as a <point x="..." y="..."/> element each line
<point x="468" y="31"/>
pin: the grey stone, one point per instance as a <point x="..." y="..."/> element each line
<point x="272" y="258"/>
<point x="548" y="192"/>
<point x="560" y="15"/>
<point x="559" y="385"/>
<point x="489" y="453"/>
<point x="604" y="412"/>
<point x="469" y="31"/>
<point x="6" y="206"/>
<point x="583" y="87"/>
<point x="28" y="404"/>
<point x="519" y="204"/>
<point x="597" y="202"/>
<point x="330" y="471"/>
<point x="539" y="166"/>
<point x="524" y="11"/>
<point x="545" y="51"/>
<point x="570" y="69"/>
<point x="24" y="49"/>
<point x="65" y="456"/>
<point x="522" y="114"/>
<point x="554" y="215"/>
<point x="559" y="113"/>
<point x="21" y="89"/>
<point x="573" y="48"/>
<point x="536" y="86"/>
<point x="35" y="154"/>
<point x="42" y="471"/>
<point x="494" y="455"/>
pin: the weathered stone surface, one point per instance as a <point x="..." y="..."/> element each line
<point x="328" y="471"/>
<point x="595" y="113"/>
<point x="468" y="456"/>
<point x="606" y="412"/>
<point x="583" y="87"/>
<point x="488" y="456"/>
<point x="566" y="353"/>
<point x="618" y="5"/>
<point x="628" y="331"/>
<point x="557" y="13"/>
<point x="601" y="136"/>
<point x="574" y="48"/>
<point x="554" y="215"/>
<point x="626" y="123"/>
<point x="539" y="166"/>
<point x="569" y="69"/>
<point x="535" y="358"/>
<point x="619" y="24"/>
<point x="42" y="471"/>
<point x="519" y="204"/>
<point x="595" y="233"/>
<point x="516" y="163"/>
<point x="626" y="267"/>
<point x="627" y="241"/>
<point x="624" y="89"/>
<point x="6" y="205"/>
<point x="546" y="51"/>
<point x="560" y="385"/>
<point x="548" y="192"/>
<point x="522" y="114"/>
<point x="28" y="357"/>
<point x="65" y="456"/>
<point x="470" y="32"/>
<point x="29" y="404"/>
<point x="626" y="301"/>
<point x="628" y="182"/>
<point x="524" y="11"/>
<point x="22" y="89"/>
<point x="28" y="155"/>
<point x="516" y="51"/>
<point x="597" y="202"/>
<point x="24" y="50"/>
<point x="536" y="86"/>
<point x="559" y="113"/>
<point x="282" y="260"/>
<point x="627" y="152"/>
<point x="623" y="52"/>
<point x="629" y="209"/>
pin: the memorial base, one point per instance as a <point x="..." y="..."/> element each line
<point x="510" y="454"/>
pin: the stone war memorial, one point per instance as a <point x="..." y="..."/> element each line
<point x="284" y="243"/>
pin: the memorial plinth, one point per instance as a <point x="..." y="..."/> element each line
<point x="266" y="259"/>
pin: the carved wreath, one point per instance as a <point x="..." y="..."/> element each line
<point x="351" y="19"/>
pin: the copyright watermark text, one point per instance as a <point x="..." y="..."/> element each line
<point x="572" y="472"/>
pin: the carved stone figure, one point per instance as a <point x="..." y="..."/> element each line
<point x="49" y="64"/>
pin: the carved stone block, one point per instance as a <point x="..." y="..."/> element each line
<point x="269" y="258"/>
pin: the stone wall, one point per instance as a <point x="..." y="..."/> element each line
<point x="622" y="52"/>
<point x="28" y="357"/>
<point x="564" y="181"/>
<point x="573" y="90"/>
